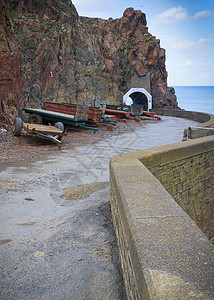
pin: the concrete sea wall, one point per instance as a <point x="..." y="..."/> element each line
<point x="164" y="254"/>
<point x="206" y="120"/>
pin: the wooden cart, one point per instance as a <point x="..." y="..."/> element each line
<point x="77" y="118"/>
<point x="52" y="133"/>
<point x="93" y="115"/>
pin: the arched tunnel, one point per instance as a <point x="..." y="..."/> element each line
<point x="139" y="98"/>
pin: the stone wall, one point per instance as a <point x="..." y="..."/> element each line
<point x="164" y="255"/>
<point x="188" y="175"/>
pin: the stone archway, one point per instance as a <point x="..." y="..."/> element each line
<point x="138" y="96"/>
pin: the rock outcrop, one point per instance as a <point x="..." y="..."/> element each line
<point x="10" y="69"/>
<point x="91" y="59"/>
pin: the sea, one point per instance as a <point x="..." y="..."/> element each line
<point x="196" y="98"/>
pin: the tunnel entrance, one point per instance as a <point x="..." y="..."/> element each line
<point x="138" y="96"/>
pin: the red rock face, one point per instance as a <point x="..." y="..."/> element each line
<point x="91" y="59"/>
<point x="10" y="75"/>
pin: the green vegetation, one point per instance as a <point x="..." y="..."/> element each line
<point x="15" y="15"/>
<point x="35" y="30"/>
<point x="48" y="50"/>
<point x="85" y="73"/>
<point x="19" y="33"/>
<point x="31" y="95"/>
<point x="21" y="115"/>
<point x="32" y="46"/>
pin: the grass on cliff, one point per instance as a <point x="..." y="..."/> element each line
<point x="15" y="15"/>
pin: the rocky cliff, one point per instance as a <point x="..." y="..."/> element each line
<point x="10" y="68"/>
<point x="91" y="59"/>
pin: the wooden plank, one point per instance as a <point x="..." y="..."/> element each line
<point x="59" y="107"/>
<point x="95" y="115"/>
<point x="116" y="112"/>
<point x="81" y="112"/>
<point x="49" y="113"/>
<point x="35" y="128"/>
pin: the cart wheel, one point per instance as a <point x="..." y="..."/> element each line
<point x="59" y="125"/>
<point x="17" y="126"/>
<point x="35" y="119"/>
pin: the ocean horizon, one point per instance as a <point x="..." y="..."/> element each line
<point x="195" y="98"/>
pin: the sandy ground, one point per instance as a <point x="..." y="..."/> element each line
<point x="57" y="239"/>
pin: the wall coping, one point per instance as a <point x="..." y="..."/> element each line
<point x="171" y="257"/>
<point x="205" y="118"/>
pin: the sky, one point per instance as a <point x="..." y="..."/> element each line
<point x="185" y="29"/>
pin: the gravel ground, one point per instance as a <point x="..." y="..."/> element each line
<point x="16" y="149"/>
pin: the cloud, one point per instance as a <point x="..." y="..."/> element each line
<point x="178" y="14"/>
<point x="188" y="63"/>
<point x="205" y="41"/>
<point x="189" y="45"/>
<point x="202" y="14"/>
<point x="174" y="14"/>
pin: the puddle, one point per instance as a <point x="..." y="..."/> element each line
<point x="84" y="191"/>
<point x="27" y="224"/>
<point x="5" y="241"/>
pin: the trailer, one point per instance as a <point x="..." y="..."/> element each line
<point x="52" y="133"/>
<point x="134" y="111"/>
<point x="44" y="116"/>
<point x="123" y="112"/>
<point x="93" y="115"/>
<point x="79" y="112"/>
<point x="151" y="115"/>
